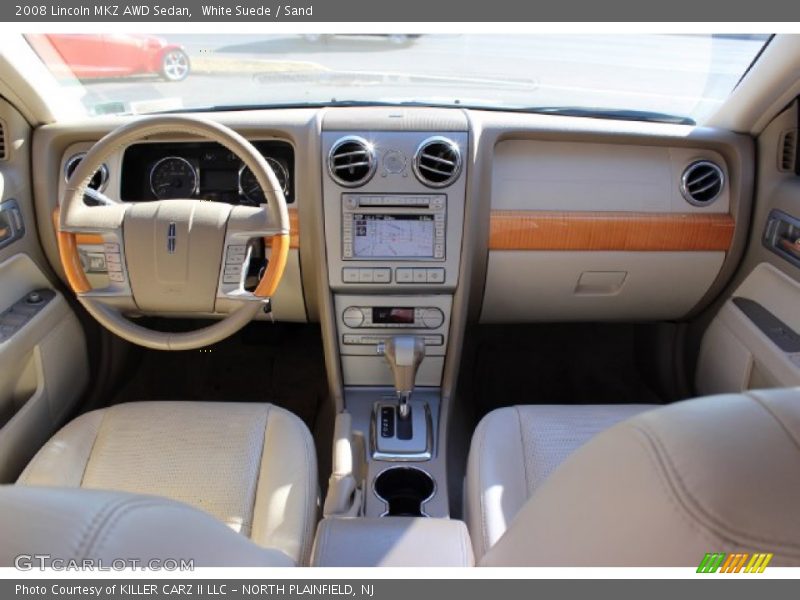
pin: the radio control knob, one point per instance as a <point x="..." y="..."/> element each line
<point x="353" y="317"/>
<point x="432" y="318"/>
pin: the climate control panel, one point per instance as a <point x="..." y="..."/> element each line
<point x="364" y="321"/>
<point x="394" y="317"/>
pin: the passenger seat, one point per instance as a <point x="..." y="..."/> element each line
<point x="660" y="488"/>
<point x="515" y="449"/>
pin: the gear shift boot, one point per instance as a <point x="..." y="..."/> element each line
<point x="401" y="426"/>
<point x="404" y="353"/>
<point x="398" y="438"/>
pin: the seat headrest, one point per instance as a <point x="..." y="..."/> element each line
<point x="713" y="474"/>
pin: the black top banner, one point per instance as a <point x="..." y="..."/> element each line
<point x="440" y="11"/>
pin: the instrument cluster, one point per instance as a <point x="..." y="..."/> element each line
<point x="203" y="170"/>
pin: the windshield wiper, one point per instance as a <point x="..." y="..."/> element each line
<point x="620" y="114"/>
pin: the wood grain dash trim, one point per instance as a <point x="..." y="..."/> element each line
<point x="294" y="228"/>
<point x="631" y="231"/>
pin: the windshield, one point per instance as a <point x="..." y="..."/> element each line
<point x="674" y="78"/>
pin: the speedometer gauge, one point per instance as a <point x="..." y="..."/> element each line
<point x="248" y="184"/>
<point x="173" y="177"/>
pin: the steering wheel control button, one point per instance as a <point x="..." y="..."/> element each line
<point x="114" y="267"/>
<point x="116" y="276"/>
<point x="236" y="257"/>
<point x="113" y="258"/>
<point x="110" y="247"/>
<point x="95" y="262"/>
<point x="232" y="274"/>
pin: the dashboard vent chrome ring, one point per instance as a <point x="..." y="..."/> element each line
<point x="100" y="179"/>
<point x="437" y="162"/>
<point x="702" y="182"/>
<point x="351" y="161"/>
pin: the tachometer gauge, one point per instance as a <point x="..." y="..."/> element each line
<point x="173" y="177"/>
<point x="248" y="184"/>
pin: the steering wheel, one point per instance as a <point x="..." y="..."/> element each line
<point x="173" y="256"/>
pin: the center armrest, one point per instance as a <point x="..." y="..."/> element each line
<point x="392" y="542"/>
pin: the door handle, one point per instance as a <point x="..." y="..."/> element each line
<point x="12" y="227"/>
<point x="782" y="236"/>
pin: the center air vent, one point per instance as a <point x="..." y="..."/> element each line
<point x="351" y="161"/>
<point x="702" y="183"/>
<point x="437" y="162"/>
<point x="100" y="178"/>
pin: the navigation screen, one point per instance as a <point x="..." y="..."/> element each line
<point x="393" y="236"/>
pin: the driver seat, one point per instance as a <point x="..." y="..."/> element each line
<point x="252" y="466"/>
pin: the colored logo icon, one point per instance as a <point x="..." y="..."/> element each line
<point x="720" y="562"/>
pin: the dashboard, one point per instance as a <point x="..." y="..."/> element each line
<point x="412" y="211"/>
<point x="208" y="171"/>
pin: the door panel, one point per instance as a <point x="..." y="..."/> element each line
<point x="754" y="339"/>
<point x="43" y="356"/>
<point x="754" y="344"/>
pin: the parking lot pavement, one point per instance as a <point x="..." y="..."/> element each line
<point x="660" y="73"/>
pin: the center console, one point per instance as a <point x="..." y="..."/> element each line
<point x="394" y="198"/>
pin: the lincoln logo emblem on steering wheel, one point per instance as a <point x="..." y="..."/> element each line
<point x="171" y="238"/>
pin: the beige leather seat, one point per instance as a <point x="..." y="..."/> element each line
<point x="251" y="466"/>
<point x="515" y="449"/>
<point x="67" y="526"/>
<point x="662" y="488"/>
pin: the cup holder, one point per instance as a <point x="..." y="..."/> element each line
<point x="404" y="490"/>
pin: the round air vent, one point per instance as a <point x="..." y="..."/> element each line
<point x="351" y="161"/>
<point x="437" y="162"/>
<point x="702" y="182"/>
<point x="100" y="179"/>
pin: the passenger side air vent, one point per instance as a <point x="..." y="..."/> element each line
<point x="437" y="162"/>
<point x="100" y="179"/>
<point x="2" y="141"/>
<point x="702" y="183"/>
<point x="787" y="151"/>
<point x="351" y="161"/>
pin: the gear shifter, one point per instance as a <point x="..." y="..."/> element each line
<point x="404" y="354"/>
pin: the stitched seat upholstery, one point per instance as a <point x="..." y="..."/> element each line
<point x="251" y="466"/>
